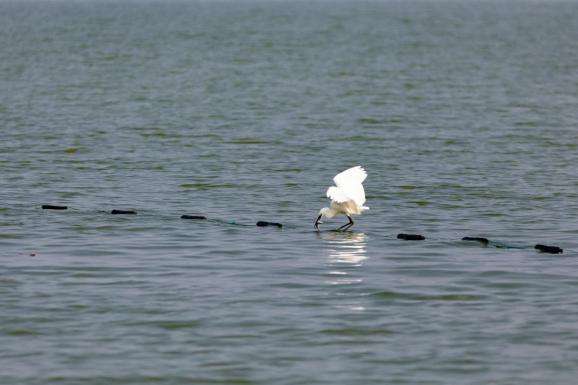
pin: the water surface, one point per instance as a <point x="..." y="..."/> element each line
<point x="462" y="112"/>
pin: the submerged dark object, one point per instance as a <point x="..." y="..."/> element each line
<point x="193" y="216"/>
<point x="264" y="224"/>
<point x="483" y="241"/>
<point x="411" y="237"/>
<point x="549" y="249"/>
<point x="53" y="207"/>
<point x="116" y="212"/>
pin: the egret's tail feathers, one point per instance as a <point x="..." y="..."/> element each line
<point x="363" y="208"/>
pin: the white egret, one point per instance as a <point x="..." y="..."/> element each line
<point x="347" y="196"/>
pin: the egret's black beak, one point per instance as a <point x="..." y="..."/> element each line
<point x="317" y="222"/>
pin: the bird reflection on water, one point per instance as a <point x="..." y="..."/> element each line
<point x="345" y="247"/>
<point x="346" y="253"/>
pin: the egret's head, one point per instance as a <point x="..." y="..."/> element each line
<point x="325" y="213"/>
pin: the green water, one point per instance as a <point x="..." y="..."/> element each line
<point x="462" y="112"/>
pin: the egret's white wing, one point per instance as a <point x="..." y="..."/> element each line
<point x="353" y="175"/>
<point x="349" y="184"/>
<point x="337" y="195"/>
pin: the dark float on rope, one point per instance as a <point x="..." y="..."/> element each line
<point x="549" y="249"/>
<point x="118" y="212"/>
<point x="264" y="224"/>
<point x="200" y="217"/>
<point x="411" y="237"/>
<point x="483" y="241"/>
<point x="53" y="207"/>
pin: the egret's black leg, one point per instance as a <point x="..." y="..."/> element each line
<point x="351" y="223"/>
<point x="347" y="225"/>
<point x="344" y="226"/>
<point x="317" y="223"/>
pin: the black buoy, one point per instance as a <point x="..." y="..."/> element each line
<point x="53" y="207"/>
<point x="549" y="249"/>
<point x="263" y="224"/>
<point x="483" y="241"/>
<point x="193" y="217"/>
<point x="411" y="237"/>
<point x="117" y="212"/>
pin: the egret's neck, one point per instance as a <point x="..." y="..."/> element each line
<point x="329" y="212"/>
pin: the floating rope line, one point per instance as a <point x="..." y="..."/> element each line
<point x="550" y="249"/>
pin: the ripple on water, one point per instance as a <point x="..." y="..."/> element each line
<point x="399" y="296"/>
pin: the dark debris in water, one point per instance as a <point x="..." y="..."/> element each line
<point x="123" y="212"/>
<point x="411" y="237"/>
<point x="265" y="224"/>
<point x="199" y="217"/>
<point x="483" y="241"/>
<point x="53" y="207"/>
<point x="549" y="249"/>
